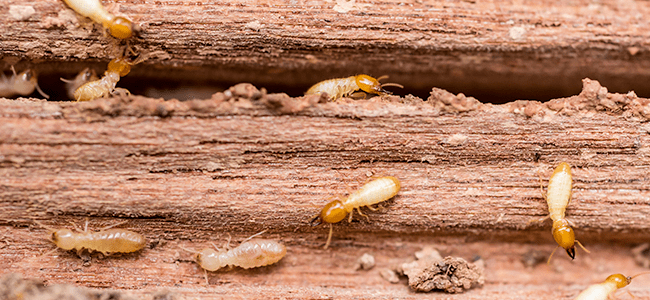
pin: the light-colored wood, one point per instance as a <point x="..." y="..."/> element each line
<point x="496" y="47"/>
<point x="187" y="173"/>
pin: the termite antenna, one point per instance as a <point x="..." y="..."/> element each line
<point x="66" y="80"/>
<point x="392" y="84"/>
<point x="44" y="226"/>
<point x="549" y="258"/>
<point x="329" y="237"/>
<point x="583" y="247"/>
<point x="38" y="88"/>
<point x="188" y="250"/>
<point x="637" y="275"/>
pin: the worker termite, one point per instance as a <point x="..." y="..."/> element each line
<point x="341" y="87"/>
<point x="605" y="290"/>
<point x="86" y="75"/>
<point x="558" y="196"/>
<point x="118" y="67"/>
<point x="251" y="253"/>
<point x="106" y="240"/>
<point x="118" y="27"/>
<point x="20" y="84"/>
<point x="373" y="192"/>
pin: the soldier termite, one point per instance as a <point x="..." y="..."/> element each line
<point x="341" y="87"/>
<point x="86" y="75"/>
<point x="558" y="196"/>
<point x="605" y="290"/>
<point x="373" y="192"/>
<point x="251" y="253"/>
<point x="20" y="84"/>
<point x="106" y="240"/>
<point x="105" y="86"/>
<point x="118" y="27"/>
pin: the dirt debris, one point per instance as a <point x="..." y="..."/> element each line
<point x="447" y="102"/>
<point x="365" y="262"/>
<point x="389" y="275"/>
<point x="432" y="272"/>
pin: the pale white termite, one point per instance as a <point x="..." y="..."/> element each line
<point x="558" y="196"/>
<point x="86" y="75"/>
<point x="106" y="241"/>
<point x="118" y="27"/>
<point x="373" y="192"/>
<point x="605" y="290"/>
<point x="20" y="84"/>
<point x="341" y="87"/>
<point x="251" y="253"/>
<point x="105" y="86"/>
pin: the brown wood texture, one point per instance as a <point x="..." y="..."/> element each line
<point x="540" y="49"/>
<point x="188" y="173"/>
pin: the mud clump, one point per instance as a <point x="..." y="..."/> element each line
<point x="450" y="274"/>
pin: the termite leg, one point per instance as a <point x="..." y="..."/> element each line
<point x="372" y="208"/>
<point x="329" y="237"/>
<point x="205" y="273"/>
<point x="13" y="70"/>
<point x="359" y="210"/>
<point x="254" y="235"/>
<point x="76" y="227"/>
<point x="583" y="247"/>
<point x="227" y="245"/>
<point x="215" y="247"/>
<point x="111" y="226"/>
<point x="549" y="258"/>
<point x="350" y="218"/>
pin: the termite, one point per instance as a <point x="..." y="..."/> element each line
<point x="558" y="196"/>
<point x="251" y="253"/>
<point x="342" y="87"/>
<point x="118" y="67"/>
<point x="118" y="27"/>
<point x="605" y="290"/>
<point x="86" y="75"/>
<point x="20" y="84"/>
<point x="373" y="192"/>
<point x="106" y="240"/>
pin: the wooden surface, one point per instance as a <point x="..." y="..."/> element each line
<point x="188" y="173"/>
<point x="492" y="49"/>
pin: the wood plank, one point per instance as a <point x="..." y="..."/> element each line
<point x="486" y="48"/>
<point x="187" y="173"/>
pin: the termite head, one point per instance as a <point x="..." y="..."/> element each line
<point x="564" y="236"/>
<point x="26" y="82"/>
<point x="372" y="86"/>
<point x="64" y="239"/>
<point x="333" y="212"/>
<point x="122" y="66"/>
<point x="209" y="259"/>
<point x="620" y="280"/>
<point x="122" y="28"/>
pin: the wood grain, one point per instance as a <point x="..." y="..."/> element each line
<point x="187" y="173"/>
<point x="492" y="48"/>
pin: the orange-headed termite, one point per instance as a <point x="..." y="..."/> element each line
<point x="373" y="192"/>
<point x="86" y="75"/>
<point x="105" y="86"/>
<point x="20" y="84"/>
<point x="558" y="196"/>
<point x="341" y="87"/>
<point x="251" y="253"/>
<point x="106" y="241"/>
<point x="605" y="290"/>
<point x="118" y="27"/>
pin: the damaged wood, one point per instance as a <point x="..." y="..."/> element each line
<point x="185" y="174"/>
<point x="507" y="48"/>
